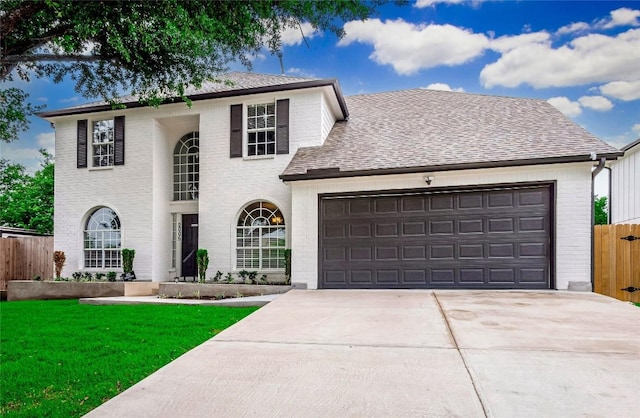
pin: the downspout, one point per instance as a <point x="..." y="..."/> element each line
<point x="594" y="173"/>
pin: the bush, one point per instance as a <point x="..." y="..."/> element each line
<point x="111" y="276"/>
<point x="202" y="261"/>
<point x="127" y="259"/>
<point x="58" y="259"/>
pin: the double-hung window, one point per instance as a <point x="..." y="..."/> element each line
<point x="103" y="143"/>
<point x="261" y="129"/>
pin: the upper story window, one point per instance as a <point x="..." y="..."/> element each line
<point x="186" y="167"/>
<point x="261" y="129"/>
<point x="103" y="143"/>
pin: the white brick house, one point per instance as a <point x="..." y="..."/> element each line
<point x="403" y="189"/>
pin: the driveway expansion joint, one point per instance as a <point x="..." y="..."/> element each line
<point x="485" y="408"/>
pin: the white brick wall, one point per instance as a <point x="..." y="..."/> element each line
<point x="141" y="190"/>
<point x="573" y="211"/>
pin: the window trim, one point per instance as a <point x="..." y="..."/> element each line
<point x="241" y="215"/>
<point x="112" y="142"/>
<point x="182" y="142"/>
<point x="102" y="261"/>
<point x="247" y="131"/>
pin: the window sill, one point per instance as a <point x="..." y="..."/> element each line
<point x="258" y="157"/>
<point x="108" y="167"/>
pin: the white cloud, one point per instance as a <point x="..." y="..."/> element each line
<point x="294" y="36"/>
<point x="73" y="99"/>
<point x="566" y="106"/>
<point x="47" y="141"/>
<point x="587" y="59"/>
<point x="443" y="87"/>
<point x="508" y="43"/>
<point x="623" y="90"/>
<point x="408" y="47"/>
<point x="636" y="128"/>
<point x="599" y="103"/>
<point x="573" y="28"/>
<point x="620" y="17"/>
<point x="300" y="72"/>
<point x="420" y="4"/>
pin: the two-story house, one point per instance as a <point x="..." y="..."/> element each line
<point x="405" y="189"/>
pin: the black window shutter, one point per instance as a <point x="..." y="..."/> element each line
<point x="82" y="144"/>
<point x="236" y="131"/>
<point x="118" y="140"/>
<point x="282" y="126"/>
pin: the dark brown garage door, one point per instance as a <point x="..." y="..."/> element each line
<point x="474" y="239"/>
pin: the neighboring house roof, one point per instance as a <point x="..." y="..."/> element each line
<point x="630" y="146"/>
<point x="427" y="130"/>
<point x="229" y="85"/>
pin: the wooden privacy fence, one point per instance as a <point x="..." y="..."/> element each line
<point x="617" y="261"/>
<point x="23" y="258"/>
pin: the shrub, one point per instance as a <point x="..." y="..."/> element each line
<point x="202" y="261"/>
<point x="127" y="259"/>
<point x="58" y="259"/>
<point x="287" y="265"/>
<point x="100" y="277"/>
<point x="77" y="276"/>
<point x="111" y="276"/>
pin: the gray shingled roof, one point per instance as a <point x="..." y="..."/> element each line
<point x="421" y="130"/>
<point x="229" y="83"/>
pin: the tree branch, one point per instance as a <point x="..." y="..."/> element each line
<point x="13" y="59"/>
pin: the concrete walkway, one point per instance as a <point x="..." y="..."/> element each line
<point x="406" y="354"/>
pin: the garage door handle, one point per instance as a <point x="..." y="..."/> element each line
<point x="631" y="289"/>
<point x="630" y="238"/>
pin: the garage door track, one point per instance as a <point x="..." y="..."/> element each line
<point x="407" y="353"/>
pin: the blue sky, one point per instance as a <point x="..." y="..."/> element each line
<point x="582" y="56"/>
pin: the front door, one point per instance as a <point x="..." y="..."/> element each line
<point x="189" y="244"/>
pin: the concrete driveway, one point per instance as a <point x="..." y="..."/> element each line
<point x="407" y="353"/>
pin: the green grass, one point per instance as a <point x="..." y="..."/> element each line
<point x="59" y="358"/>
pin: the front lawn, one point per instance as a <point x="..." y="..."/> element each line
<point x="60" y="358"/>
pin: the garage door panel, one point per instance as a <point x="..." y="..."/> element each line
<point x="413" y="204"/>
<point x="386" y="205"/>
<point x="414" y="228"/>
<point x="359" y="207"/>
<point x="334" y="231"/>
<point x="387" y="253"/>
<point x="478" y="239"/>
<point x="471" y="201"/>
<point x="387" y="229"/>
<point x="471" y="251"/>
<point x="440" y="203"/>
<point x="360" y="253"/>
<point x="537" y="223"/>
<point x="470" y="226"/>
<point x="500" y="200"/>
<point x="502" y="250"/>
<point x="534" y="197"/>
<point x="414" y="252"/>
<point x="441" y="227"/>
<point x="501" y="225"/>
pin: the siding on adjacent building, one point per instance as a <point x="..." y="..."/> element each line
<point x="572" y="211"/>
<point x="625" y="188"/>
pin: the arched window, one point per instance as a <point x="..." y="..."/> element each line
<point x="102" y="239"/>
<point x="260" y="237"/>
<point x="186" y="168"/>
